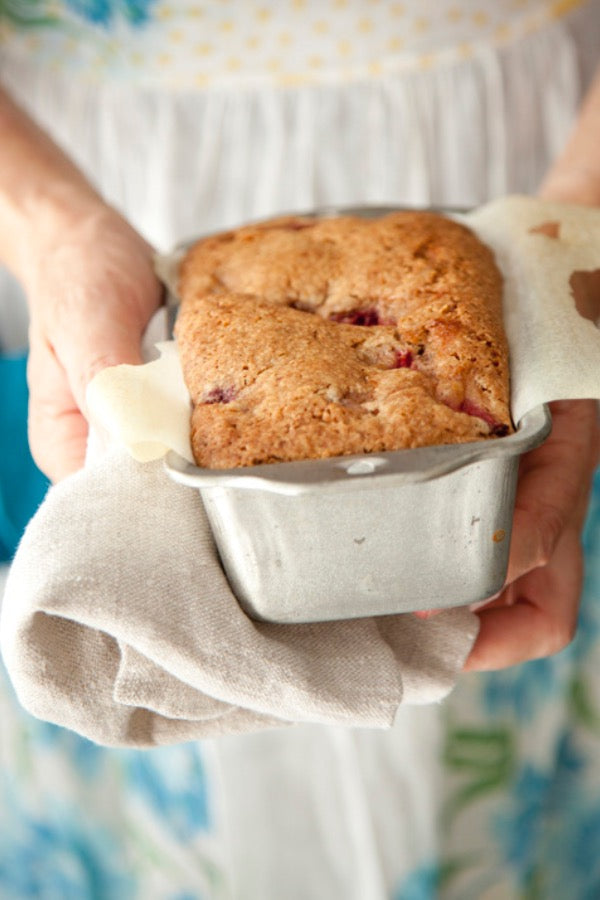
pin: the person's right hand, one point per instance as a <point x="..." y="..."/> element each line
<point x="536" y="613"/>
<point x="91" y="290"/>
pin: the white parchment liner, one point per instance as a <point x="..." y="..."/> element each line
<point x="554" y="349"/>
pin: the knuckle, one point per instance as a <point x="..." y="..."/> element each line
<point x="96" y="363"/>
<point x="93" y="366"/>
<point x="550" y="524"/>
<point x="560" y="635"/>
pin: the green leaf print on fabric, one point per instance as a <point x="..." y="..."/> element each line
<point x="486" y="759"/>
<point x="27" y="13"/>
<point x="580" y="705"/>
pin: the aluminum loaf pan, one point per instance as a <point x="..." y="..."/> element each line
<point x="373" y="534"/>
<point x="364" y="535"/>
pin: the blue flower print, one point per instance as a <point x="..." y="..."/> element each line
<point x="185" y="896"/>
<point x="553" y="816"/>
<point x="421" y="884"/>
<point x="86" y="757"/>
<point x="589" y="618"/>
<point x="536" y="799"/>
<point x="518" y="831"/>
<point x="60" y="859"/>
<point x="173" y="782"/>
<point x="521" y="690"/>
<point x="103" y="12"/>
<point x="569" y="768"/>
<point x="580" y="863"/>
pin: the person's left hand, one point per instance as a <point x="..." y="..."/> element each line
<point x="92" y="291"/>
<point x="536" y="613"/>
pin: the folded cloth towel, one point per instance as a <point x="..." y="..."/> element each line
<point x="118" y="622"/>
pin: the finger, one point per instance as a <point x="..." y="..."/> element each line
<point x="100" y="333"/>
<point x="538" y="615"/>
<point x="554" y="480"/>
<point x="96" y="317"/>
<point x="57" y="429"/>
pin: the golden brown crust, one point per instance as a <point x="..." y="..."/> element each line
<point x="307" y="339"/>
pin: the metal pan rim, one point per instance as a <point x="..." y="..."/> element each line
<point x="395" y="467"/>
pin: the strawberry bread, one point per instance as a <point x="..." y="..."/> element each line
<point x="307" y="338"/>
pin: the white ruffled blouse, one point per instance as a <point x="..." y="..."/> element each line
<point x="198" y="115"/>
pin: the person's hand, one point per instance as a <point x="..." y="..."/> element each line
<point x="92" y="291"/>
<point x="536" y="613"/>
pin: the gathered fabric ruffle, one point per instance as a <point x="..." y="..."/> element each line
<point x="182" y="162"/>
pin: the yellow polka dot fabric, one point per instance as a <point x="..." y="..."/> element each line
<point x="189" y="43"/>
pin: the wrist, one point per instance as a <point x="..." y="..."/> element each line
<point x="85" y="243"/>
<point x="41" y="190"/>
<point x="39" y="216"/>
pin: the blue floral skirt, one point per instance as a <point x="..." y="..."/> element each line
<point x="515" y="810"/>
<point x="520" y="763"/>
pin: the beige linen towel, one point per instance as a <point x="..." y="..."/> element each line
<point x="119" y="623"/>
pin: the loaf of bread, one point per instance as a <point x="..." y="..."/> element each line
<point x="306" y="338"/>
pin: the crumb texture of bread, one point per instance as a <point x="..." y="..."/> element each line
<point x="309" y="338"/>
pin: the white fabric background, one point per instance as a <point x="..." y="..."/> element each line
<point x="347" y="811"/>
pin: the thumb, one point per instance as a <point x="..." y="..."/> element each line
<point x="554" y="485"/>
<point x="103" y="331"/>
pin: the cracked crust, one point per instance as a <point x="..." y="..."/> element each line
<point x="307" y="339"/>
